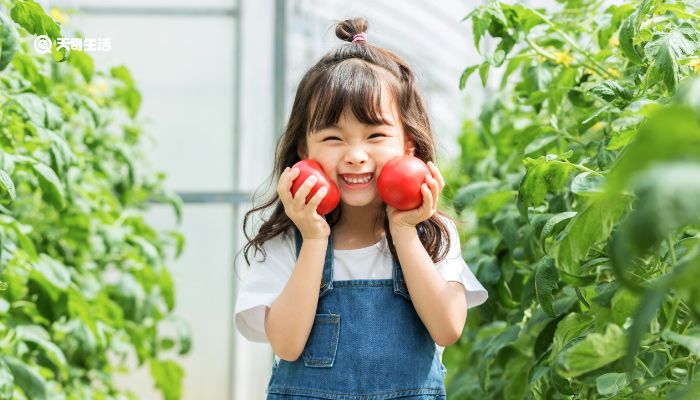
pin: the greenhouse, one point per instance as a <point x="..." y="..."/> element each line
<point x="305" y="199"/>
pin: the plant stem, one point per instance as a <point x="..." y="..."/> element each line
<point x="583" y="168"/>
<point x="671" y="250"/>
<point x="644" y="366"/>
<point x="672" y="316"/>
<point x="573" y="44"/>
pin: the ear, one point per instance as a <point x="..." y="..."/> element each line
<point x="409" y="146"/>
<point x="301" y="149"/>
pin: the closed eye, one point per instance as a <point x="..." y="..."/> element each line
<point x="374" y="135"/>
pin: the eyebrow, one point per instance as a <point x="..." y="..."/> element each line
<point x="335" y="126"/>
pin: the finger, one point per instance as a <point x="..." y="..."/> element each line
<point x="316" y="200"/>
<point x="304" y="190"/>
<point x="284" y="186"/>
<point x="433" y="186"/>
<point x="437" y="175"/>
<point x="427" y="206"/>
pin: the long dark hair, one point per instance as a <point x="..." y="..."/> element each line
<point x="350" y="75"/>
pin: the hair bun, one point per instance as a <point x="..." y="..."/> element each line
<point x="345" y="30"/>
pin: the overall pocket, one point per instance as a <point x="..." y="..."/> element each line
<point x="323" y="341"/>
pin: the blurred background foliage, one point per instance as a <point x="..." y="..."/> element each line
<point x="84" y="285"/>
<point x="577" y="193"/>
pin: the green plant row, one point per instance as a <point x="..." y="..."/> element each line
<point x="578" y="196"/>
<point x="83" y="279"/>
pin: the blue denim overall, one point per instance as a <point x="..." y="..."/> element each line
<point x="367" y="343"/>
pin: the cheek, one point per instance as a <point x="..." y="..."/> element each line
<point x="327" y="161"/>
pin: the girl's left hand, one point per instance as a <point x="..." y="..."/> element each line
<point x="431" y="188"/>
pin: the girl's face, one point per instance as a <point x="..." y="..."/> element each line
<point x="353" y="154"/>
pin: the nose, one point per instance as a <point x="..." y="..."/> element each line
<point x="356" y="156"/>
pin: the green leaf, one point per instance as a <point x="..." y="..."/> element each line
<point x="7" y="187"/>
<point x="629" y="31"/>
<point x="36" y="334"/>
<point x="610" y="90"/>
<point x="28" y="69"/>
<point x="610" y="384"/>
<point x="568" y="330"/>
<point x="51" y="274"/>
<point x="33" y="105"/>
<point x="666" y="49"/>
<point x="623" y="305"/>
<point x="667" y="135"/>
<point x="587" y="184"/>
<point x="9" y="39"/>
<point x="127" y="94"/>
<point x="591" y="225"/>
<point x="692" y="343"/>
<point x="546" y="278"/>
<point x="688" y="94"/>
<point x="51" y="186"/>
<point x="543" y="175"/>
<point x="555" y="224"/>
<point x="30" y="381"/>
<point x="7" y="381"/>
<point x="493" y="202"/>
<point x="540" y="143"/>
<point x="594" y="351"/>
<point x="649" y="303"/>
<point x="32" y="17"/>
<point x="184" y="334"/>
<point x="516" y="375"/>
<point x="465" y="75"/>
<point x="468" y="195"/>
<point x="621" y="139"/>
<point x="167" y="376"/>
<point x="479" y="26"/>
<point x="667" y="200"/>
<point x="484" y="72"/>
<point x="83" y="62"/>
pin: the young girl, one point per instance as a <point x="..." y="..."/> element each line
<point x="358" y="304"/>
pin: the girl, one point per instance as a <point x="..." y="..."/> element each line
<point x="359" y="304"/>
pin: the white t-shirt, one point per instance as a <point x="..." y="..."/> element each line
<point x="265" y="280"/>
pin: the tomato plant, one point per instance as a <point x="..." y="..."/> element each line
<point x="84" y="282"/>
<point x="399" y="183"/>
<point x="577" y="193"/>
<point x="311" y="167"/>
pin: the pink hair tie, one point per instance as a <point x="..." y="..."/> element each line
<point x="360" y="37"/>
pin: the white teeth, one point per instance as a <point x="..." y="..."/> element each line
<point x="357" y="180"/>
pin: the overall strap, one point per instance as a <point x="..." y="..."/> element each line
<point x="327" y="277"/>
<point x="400" y="287"/>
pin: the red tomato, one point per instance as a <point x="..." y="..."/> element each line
<point x="311" y="167"/>
<point x="400" y="181"/>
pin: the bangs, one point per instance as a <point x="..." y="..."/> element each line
<point x="355" y="85"/>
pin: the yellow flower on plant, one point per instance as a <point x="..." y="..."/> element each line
<point x="614" y="72"/>
<point x="597" y="126"/>
<point x="58" y="16"/>
<point x="97" y="88"/>
<point x="614" y="40"/>
<point x="563" y="57"/>
<point x="696" y="65"/>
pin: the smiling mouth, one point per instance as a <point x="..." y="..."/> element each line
<point x="357" y="179"/>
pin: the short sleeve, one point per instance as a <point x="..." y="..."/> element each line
<point x="261" y="286"/>
<point x="454" y="268"/>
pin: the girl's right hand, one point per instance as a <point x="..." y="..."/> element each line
<point x="307" y="220"/>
